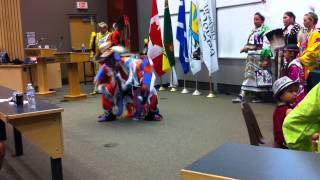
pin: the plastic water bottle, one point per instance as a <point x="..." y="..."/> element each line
<point x="31" y="96"/>
<point x="83" y="48"/>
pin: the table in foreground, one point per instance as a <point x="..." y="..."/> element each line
<point x="72" y="59"/>
<point x="41" y="126"/>
<point x="239" y="161"/>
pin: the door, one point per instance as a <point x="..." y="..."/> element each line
<point x="81" y="28"/>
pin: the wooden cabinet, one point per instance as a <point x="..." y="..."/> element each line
<point x="15" y="77"/>
<point x="54" y="76"/>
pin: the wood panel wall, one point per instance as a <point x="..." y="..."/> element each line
<point x="11" y="36"/>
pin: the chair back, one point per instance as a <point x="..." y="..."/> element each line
<point x="254" y="132"/>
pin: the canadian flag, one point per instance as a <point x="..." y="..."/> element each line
<point x="155" y="49"/>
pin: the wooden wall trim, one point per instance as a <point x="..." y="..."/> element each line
<point x="11" y="36"/>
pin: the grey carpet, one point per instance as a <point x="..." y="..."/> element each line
<point x="137" y="150"/>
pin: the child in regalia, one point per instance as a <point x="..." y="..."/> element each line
<point x="294" y="70"/>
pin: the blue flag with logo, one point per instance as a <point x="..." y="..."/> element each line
<point x="182" y="37"/>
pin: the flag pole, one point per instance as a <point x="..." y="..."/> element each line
<point x="173" y="88"/>
<point x="185" y="90"/>
<point x="211" y="94"/>
<point x="161" y="86"/>
<point x="196" y="92"/>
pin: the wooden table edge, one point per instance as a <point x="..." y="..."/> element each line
<point x="63" y="53"/>
<point x="15" y="65"/>
<point x="30" y="114"/>
<point x="202" y="176"/>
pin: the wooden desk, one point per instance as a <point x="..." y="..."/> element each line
<point x="72" y="59"/>
<point x="42" y="126"/>
<point x="15" y="77"/>
<point x="239" y="161"/>
<point x="42" y="73"/>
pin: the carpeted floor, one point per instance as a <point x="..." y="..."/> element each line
<point x="137" y="150"/>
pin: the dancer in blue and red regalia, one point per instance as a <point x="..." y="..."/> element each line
<point x="127" y="87"/>
<point x="108" y="83"/>
<point x="141" y="78"/>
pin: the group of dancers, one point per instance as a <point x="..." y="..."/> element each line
<point x="125" y="81"/>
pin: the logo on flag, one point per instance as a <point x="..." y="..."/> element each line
<point x="208" y="38"/>
<point x="194" y="38"/>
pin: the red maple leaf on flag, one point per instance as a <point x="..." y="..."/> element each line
<point x="155" y="43"/>
<point x="154" y="34"/>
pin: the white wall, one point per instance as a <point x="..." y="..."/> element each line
<point x="234" y="23"/>
<point x="227" y="3"/>
<point x="231" y="69"/>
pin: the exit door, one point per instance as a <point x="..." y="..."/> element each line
<point x="81" y="28"/>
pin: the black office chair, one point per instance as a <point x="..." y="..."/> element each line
<point x="254" y="132"/>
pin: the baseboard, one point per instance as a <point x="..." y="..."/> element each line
<point x="221" y="88"/>
<point x="229" y="88"/>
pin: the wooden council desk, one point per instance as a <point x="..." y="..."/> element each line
<point x="42" y="73"/>
<point x="72" y="59"/>
<point x="15" y="77"/>
<point x="41" y="126"/>
<point x="240" y="161"/>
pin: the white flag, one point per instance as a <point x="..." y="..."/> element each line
<point x="208" y="38"/>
